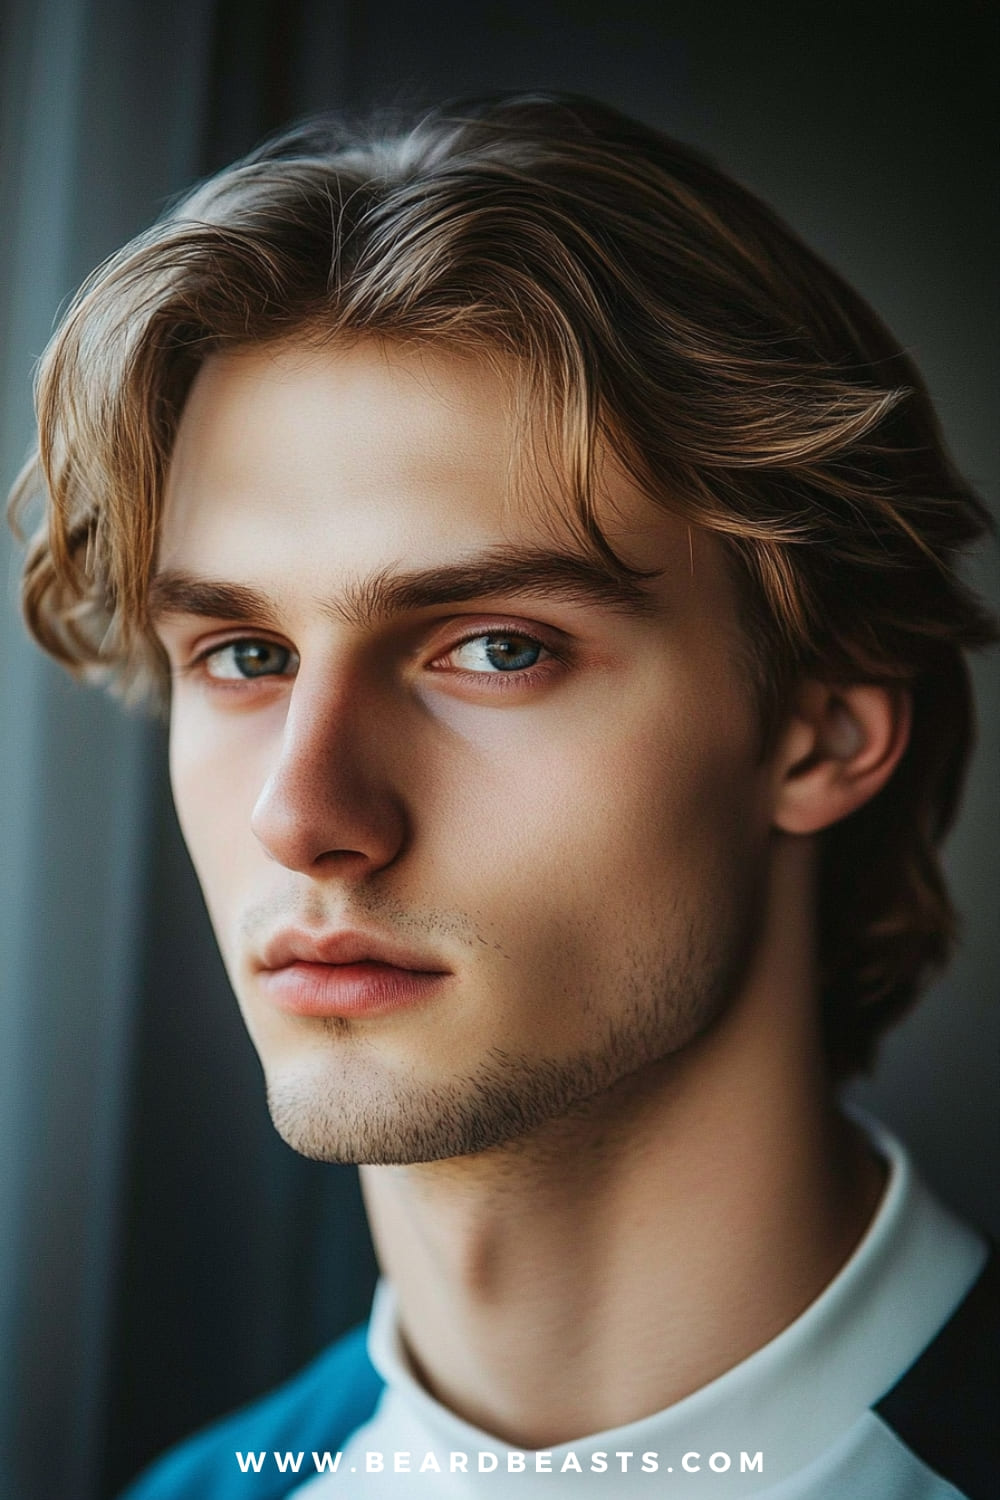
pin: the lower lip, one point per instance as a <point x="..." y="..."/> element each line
<point x="349" y="990"/>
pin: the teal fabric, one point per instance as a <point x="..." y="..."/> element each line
<point x="318" y="1409"/>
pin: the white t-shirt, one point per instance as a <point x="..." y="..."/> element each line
<point x="794" y="1421"/>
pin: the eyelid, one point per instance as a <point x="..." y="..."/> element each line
<point x="202" y="652"/>
<point x="556" y="653"/>
<point x="553" y="642"/>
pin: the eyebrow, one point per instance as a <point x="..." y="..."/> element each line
<point x="527" y="573"/>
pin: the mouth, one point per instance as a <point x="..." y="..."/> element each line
<point x="345" y="974"/>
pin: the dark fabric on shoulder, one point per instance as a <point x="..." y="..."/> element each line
<point x="317" y="1409"/>
<point x="946" y="1408"/>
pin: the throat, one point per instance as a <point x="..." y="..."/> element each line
<point x="617" y="1265"/>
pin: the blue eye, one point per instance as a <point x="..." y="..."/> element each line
<point x="499" y="651"/>
<point x="242" y="660"/>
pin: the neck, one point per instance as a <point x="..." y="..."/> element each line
<point x="618" y="1259"/>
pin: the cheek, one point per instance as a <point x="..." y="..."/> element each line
<point x="607" y="822"/>
<point x="215" y="782"/>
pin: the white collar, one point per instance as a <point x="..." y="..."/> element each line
<point x="793" y="1397"/>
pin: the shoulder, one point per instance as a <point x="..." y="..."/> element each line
<point x="317" y="1409"/>
<point x="944" y="1407"/>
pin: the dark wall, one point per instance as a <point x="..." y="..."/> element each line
<point x="869" y="126"/>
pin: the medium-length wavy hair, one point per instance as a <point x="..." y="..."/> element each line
<point x="649" y="304"/>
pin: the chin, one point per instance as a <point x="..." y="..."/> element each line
<point x="388" y="1122"/>
<point x="364" y="1112"/>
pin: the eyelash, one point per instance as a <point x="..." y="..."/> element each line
<point x="199" y="663"/>
<point x="499" y="679"/>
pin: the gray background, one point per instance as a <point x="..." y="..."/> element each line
<point x="166" y="1255"/>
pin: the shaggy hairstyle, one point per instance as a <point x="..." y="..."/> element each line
<point x="649" y="304"/>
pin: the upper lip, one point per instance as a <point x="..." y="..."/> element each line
<point x="294" y="945"/>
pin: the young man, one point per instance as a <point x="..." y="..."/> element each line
<point x="550" y="566"/>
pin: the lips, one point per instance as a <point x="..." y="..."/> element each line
<point x="346" y="974"/>
<point x="341" y="948"/>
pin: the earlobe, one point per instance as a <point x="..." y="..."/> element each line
<point x="840" y="747"/>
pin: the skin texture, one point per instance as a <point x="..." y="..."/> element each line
<point x="608" y="1123"/>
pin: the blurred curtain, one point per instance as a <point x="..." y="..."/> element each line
<point x="78" y="178"/>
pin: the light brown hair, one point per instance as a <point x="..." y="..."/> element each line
<point x="651" y="304"/>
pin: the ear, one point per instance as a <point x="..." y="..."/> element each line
<point x="840" y="747"/>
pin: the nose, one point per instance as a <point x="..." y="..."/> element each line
<point x="328" y="803"/>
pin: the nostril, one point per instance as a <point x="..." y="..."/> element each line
<point x="317" y="814"/>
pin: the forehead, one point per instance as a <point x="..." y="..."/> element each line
<point x="368" y="427"/>
<point x="380" y="455"/>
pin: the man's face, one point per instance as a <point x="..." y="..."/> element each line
<point x="481" y="832"/>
